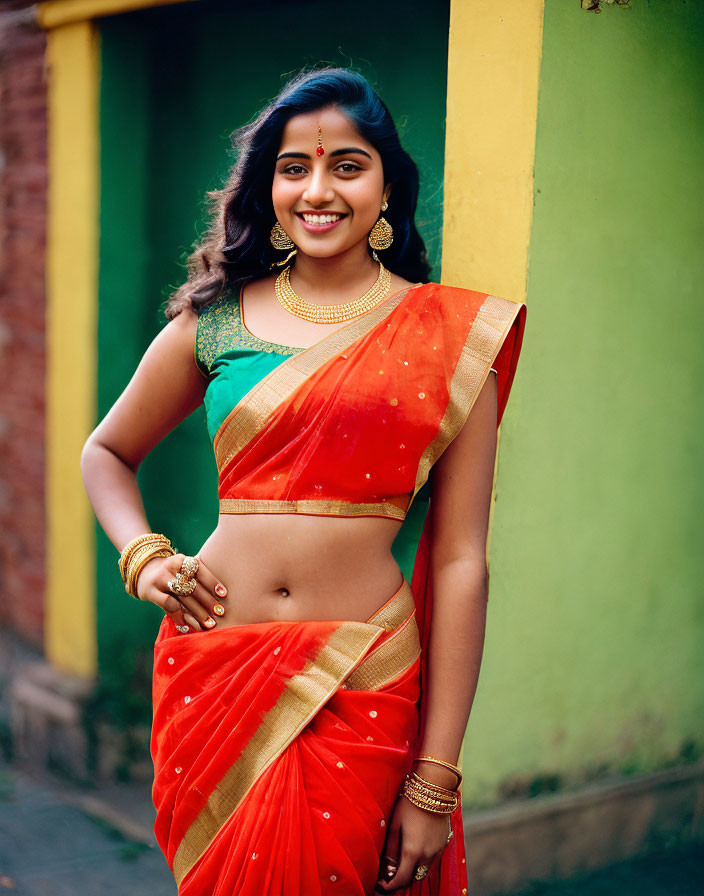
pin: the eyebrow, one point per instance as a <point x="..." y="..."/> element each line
<point x="338" y="152"/>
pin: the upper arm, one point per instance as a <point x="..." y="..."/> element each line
<point x="462" y="482"/>
<point x="165" y="388"/>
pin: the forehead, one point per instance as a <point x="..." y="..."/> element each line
<point x="301" y="132"/>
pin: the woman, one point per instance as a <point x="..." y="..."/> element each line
<point x="307" y="717"/>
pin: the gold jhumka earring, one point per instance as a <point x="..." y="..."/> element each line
<point x="281" y="240"/>
<point x="381" y="236"/>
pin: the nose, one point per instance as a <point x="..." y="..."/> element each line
<point x="318" y="188"/>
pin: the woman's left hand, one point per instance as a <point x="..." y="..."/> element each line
<point x="415" y="837"/>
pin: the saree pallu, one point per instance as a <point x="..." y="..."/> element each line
<point x="279" y="750"/>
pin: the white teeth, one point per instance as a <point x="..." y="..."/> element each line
<point x="321" y="219"/>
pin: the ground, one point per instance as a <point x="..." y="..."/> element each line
<point x="56" y="840"/>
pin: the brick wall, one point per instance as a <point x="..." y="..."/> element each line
<point x="23" y="190"/>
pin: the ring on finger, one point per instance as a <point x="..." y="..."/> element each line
<point x="181" y="586"/>
<point x="184" y="629"/>
<point x="421" y="872"/>
<point x="391" y="867"/>
<point x="189" y="567"/>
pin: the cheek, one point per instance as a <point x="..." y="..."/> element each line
<point x="366" y="203"/>
<point x="366" y="193"/>
<point x="283" y="195"/>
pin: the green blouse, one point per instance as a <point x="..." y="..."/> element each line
<point x="233" y="359"/>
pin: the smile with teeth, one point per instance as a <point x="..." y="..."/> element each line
<point x="320" y="219"/>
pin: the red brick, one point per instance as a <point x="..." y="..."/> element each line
<point x="23" y="187"/>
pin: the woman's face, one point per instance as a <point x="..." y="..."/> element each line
<point x="327" y="203"/>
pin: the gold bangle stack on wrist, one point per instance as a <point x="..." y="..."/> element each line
<point x="137" y="553"/>
<point x="428" y="796"/>
<point x="432" y="797"/>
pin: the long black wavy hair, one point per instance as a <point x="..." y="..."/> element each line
<point x="236" y="247"/>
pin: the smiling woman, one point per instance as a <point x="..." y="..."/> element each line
<point x="340" y="190"/>
<point x="306" y="724"/>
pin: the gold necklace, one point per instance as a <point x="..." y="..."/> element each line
<point x="330" y="314"/>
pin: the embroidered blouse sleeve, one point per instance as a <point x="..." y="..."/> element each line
<point x="198" y="353"/>
<point x="212" y="334"/>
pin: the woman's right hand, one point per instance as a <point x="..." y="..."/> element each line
<point x="198" y="610"/>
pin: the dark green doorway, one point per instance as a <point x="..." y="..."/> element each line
<point x="176" y="81"/>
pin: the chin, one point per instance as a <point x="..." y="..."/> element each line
<point x="318" y="250"/>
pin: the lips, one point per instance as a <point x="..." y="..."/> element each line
<point x="320" y="217"/>
<point x="320" y="222"/>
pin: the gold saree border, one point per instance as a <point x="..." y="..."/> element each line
<point x="310" y="506"/>
<point x="491" y="325"/>
<point x="252" y="411"/>
<point x="304" y="694"/>
<point x="387" y="661"/>
<point x="397" y="608"/>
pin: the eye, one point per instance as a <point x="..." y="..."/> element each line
<point x="293" y="169"/>
<point x="348" y="168"/>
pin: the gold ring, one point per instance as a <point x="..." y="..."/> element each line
<point x="421" y="872"/>
<point x="189" y="567"/>
<point x="182" y="587"/>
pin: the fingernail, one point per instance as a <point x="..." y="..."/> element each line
<point x="221" y="590"/>
<point x="210" y="622"/>
<point x="219" y="610"/>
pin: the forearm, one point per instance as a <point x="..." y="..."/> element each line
<point x="454" y="658"/>
<point x="114" y="494"/>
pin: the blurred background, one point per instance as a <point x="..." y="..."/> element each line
<point x="560" y="145"/>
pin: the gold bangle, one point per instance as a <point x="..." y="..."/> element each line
<point x="140" y="539"/>
<point x="140" y="562"/>
<point x="138" y="558"/>
<point x="415" y="794"/>
<point x="432" y="791"/>
<point x="430" y="784"/>
<point x="136" y="547"/>
<point x="428" y="803"/>
<point x="133" y="546"/>
<point x="444" y="764"/>
<point x="421" y="804"/>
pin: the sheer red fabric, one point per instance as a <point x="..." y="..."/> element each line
<point x="279" y="748"/>
<point x="274" y="771"/>
<point x="357" y="421"/>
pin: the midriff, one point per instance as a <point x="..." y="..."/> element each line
<point x="292" y="566"/>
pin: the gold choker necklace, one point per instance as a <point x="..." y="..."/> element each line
<point x="330" y="314"/>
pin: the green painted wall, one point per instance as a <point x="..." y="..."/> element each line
<point x="593" y="659"/>
<point x="175" y="83"/>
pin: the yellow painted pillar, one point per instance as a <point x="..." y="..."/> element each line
<point x="493" y="69"/>
<point x="53" y="13"/>
<point x="73" y="59"/>
<point x="492" y="102"/>
<point x="72" y="287"/>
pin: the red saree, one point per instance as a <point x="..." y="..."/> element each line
<point x="279" y="748"/>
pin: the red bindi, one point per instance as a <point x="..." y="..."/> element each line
<point x="319" y="149"/>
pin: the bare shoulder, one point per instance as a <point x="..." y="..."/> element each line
<point x="184" y="324"/>
<point x="175" y="342"/>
